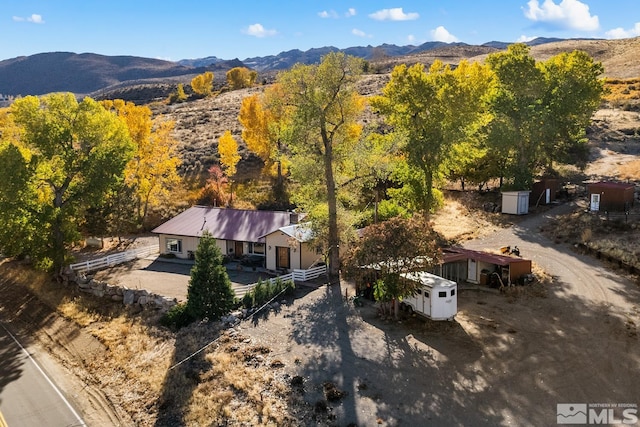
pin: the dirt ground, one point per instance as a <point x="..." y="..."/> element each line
<point x="507" y="359"/>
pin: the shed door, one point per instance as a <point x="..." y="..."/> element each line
<point x="547" y="196"/>
<point x="595" y="202"/>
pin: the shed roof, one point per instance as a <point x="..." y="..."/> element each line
<point x="460" y="254"/>
<point x="225" y="224"/>
<point x="612" y="185"/>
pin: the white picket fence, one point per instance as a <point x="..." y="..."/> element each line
<point x="296" y="275"/>
<point x="114" y="259"/>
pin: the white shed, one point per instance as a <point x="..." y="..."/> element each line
<point x="515" y="202"/>
<point x="436" y="299"/>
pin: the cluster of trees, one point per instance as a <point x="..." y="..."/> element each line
<point x="509" y="119"/>
<point x="74" y="167"/>
<point x="202" y="84"/>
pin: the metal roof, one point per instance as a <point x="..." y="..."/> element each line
<point x="301" y="232"/>
<point x="459" y="254"/>
<point x="225" y="224"/>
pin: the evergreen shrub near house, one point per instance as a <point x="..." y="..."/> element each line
<point x="209" y="295"/>
<point x="264" y="291"/>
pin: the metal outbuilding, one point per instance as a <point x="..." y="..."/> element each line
<point x="515" y="202"/>
<point x="610" y="196"/>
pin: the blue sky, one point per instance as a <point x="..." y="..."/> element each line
<point x="188" y="29"/>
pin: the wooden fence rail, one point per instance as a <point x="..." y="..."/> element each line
<point x="113" y="259"/>
<point x="296" y="275"/>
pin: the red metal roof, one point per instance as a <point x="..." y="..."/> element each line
<point x="459" y="254"/>
<point x="608" y="184"/>
<point x="225" y="224"/>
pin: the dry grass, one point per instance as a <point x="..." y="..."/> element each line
<point x="630" y="171"/>
<point x="241" y="387"/>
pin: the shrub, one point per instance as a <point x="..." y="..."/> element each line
<point x="264" y="291"/>
<point x="177" y="317"/>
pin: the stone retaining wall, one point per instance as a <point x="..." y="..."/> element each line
<point x="128" y="296"/>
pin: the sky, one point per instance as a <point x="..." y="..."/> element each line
<point x="189" y="29"/>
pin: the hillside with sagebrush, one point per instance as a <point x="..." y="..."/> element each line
<point x="201" y="122"/>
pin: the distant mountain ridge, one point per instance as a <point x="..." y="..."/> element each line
<point x="88" y="72"/>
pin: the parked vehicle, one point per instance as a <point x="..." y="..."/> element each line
<point x="436" y="299"/>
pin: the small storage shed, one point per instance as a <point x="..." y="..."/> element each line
<point x="436" y="299"/>
<point x="544" y="191"/>
<point x="481" y="267"/>
<point x="610" y="196"/>
<point x="515" y="202"/>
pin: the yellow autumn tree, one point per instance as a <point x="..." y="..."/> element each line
<point x="202" y="84"/>
<point x="240" y="77"/>
<point x="264" y="130"/>
<point x="152" y="173"/>
<point x="228" y="151"/>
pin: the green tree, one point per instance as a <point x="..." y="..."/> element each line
<point x="392" y="248"/>
<point x="573" y="92"/>
<point x="432" y="111"/>
<point x="323" y="106"/>
<point x="517" y="107"/>
<point x="70" y="155"/>
<point x="209" y="294"/>
<point x="202" y="84"/>
<point x="241" y="77"/>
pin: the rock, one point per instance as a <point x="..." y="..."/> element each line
<point x="128" y="297"/>
<point x="116" y="297"/>
<point x="143" y="300"/>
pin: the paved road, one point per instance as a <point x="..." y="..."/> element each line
<point x="28" y="398"/>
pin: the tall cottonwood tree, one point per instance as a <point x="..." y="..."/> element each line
<point x="152" y="172"/>
<point x="264" y="130"/>
<point x="229" y="157"/>
<point x="323" y="106"/>
<point x="433" y="111"/>
<point x="70" y="154"/>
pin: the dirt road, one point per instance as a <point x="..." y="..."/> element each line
<point x="506" y="360"/>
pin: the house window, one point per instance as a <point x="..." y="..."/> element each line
<point x="256" y="248"/>
<point x="174" y="245"/>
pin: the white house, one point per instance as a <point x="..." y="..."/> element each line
<point x="237" y="232"/>
<point x="288" y="248"/>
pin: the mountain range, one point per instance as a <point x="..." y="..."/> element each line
<point x="88" y="73"/>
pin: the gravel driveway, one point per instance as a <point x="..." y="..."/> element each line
<point x="506" y="360"/>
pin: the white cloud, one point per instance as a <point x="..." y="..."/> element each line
<point x="360" y="33"/>
<point x="524" y="39"/>
<point x="35" y="18"/>
<point x="328" y="14"/>
<point x="257" y="30"/>
<point x="395" y="14"/>
<point x="411" y="38"/>
<point x="621" y="33"/>
<point x="441" y="34"/>
<point x="350" y="12"/>
<point x="571" y="14"/>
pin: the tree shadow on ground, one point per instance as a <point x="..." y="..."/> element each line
<point x="507" y="360"/>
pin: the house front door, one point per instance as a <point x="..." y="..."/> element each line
<point x="239" y="249"/>
<point x="283" y="257"/>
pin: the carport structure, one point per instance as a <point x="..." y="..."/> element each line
<point x="460" y="264"/>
